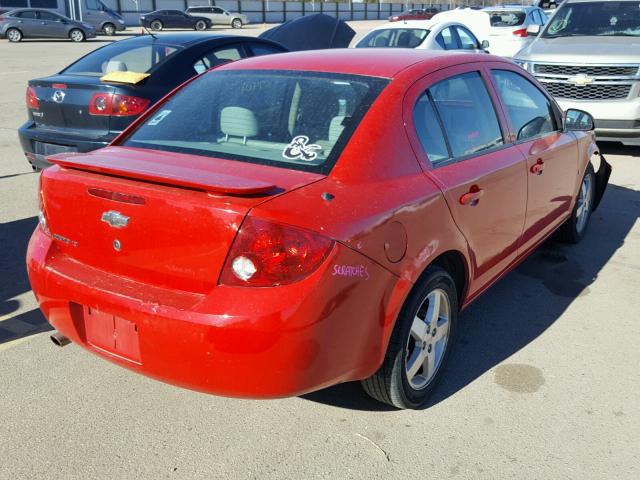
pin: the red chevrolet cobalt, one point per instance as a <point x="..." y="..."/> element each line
<point x="289" y="222"/>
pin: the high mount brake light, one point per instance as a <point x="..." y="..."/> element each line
<point x="32" y="99"/>
<point x="268" y="254"/>
<point x="117" y="105"/>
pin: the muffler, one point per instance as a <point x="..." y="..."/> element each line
<point x="59" y="339"/>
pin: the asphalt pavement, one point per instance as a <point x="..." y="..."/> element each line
<point x="544" y="381"/>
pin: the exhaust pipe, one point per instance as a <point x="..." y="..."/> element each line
<point x="59" y="339"/>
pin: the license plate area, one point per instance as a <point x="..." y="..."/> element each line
<point x="112" y="334"/>
<point x="41" y="148"/>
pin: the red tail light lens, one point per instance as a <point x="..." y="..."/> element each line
<point x="32" y="99"/>
<point x="522" y="32"/>
<point x="267" y="254"/>
<point x="117" y="105"/>
<point x="42" y="214"/>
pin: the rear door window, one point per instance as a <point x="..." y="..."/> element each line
<point x="530" y="111"/>
<point x="447" y="40"/>
<point x="218" y="56"/>
<point x="465" y="110"/>
<point x="467" y="40"/>
<point x="262" y="49"/>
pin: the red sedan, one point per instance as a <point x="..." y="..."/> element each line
<point x="415" y="14"/>
<point x="285" y="223"/>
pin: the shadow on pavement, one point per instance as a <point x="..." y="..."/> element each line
<point x="519" y="308"/>
<point x="14" y="237"/>
<point x="613" y="148"/>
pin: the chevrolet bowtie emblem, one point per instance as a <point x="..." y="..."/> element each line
<point x="581" y="79"/>
<point x="115" y="219"/>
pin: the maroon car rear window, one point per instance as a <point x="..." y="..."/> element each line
<point x="290" y="119"/>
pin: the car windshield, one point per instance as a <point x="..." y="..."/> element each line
<point x="595" y="19"/>
<point x="297" y="120"/>
<point x="394" y="37"/>
<point x="122" y="57"/>
<point x="506" y="18"/>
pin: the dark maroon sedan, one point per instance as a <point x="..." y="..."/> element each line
<point x="415" y="14"/>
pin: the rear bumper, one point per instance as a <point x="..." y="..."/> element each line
<point x="233" y="341"/>
<point x="31" y="138"/>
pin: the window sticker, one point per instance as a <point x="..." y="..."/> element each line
<point x="301" y="149"/>
<point x="159" y="117"/>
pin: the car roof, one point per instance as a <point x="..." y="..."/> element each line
<point x="428" y="24"/>
<point x="372" y="62"/>
<point x="520" y="8"/>
<point x="188" y="38"/>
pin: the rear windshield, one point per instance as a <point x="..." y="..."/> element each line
<point x="297" y="120"/>
<point x="394" y="37"/>
<point x="607" y="19"/>
<point x="122" y="57"/>
<point x="506" y="18"/>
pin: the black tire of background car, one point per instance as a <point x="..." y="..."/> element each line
<point x="236" y="23"/>
<point x="14" y="35"/>
<point x="77" y="35"/>
<point x="109" y="29"/>
<point x="200" y="25"/>
<point x="568" y="232"/>
<point x="390" y="384"/>
<point x="156" y="25"/>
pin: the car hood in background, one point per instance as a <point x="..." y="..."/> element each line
<point x="312" y="32"/>
<point x="600" y="49"/>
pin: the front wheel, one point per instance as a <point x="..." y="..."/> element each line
<point x="109" y="29"/>
<point x="14" y="35"/>
<point x="200" y="25"/>
<point x="156" y="25"/>
<point x="575" y="228"/>
<point x="236" y="23"/>
<point x="420" y="344"/>
<point x="77" y="35"/>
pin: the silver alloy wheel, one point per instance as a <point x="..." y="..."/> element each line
<point x="237" y="23"/>
<point x="156" y="25"/>
<point x="77" y="35"/>
<point x="14" y="35"/>
<point x="201" y="25"/>
<point x="583" y="209"/>
<point x="109" y="29"/>
<point x="428" y="339"/>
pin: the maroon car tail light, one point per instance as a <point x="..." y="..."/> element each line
<point x="117" y="105"/>
<point x="42" y="214"/>
<point x="522" y="33"/>
<point x="266" y="254"/>
<point x="32" y="99"/>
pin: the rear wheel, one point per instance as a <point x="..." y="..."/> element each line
<point x="77" y="35"/>
<point x="156" y="25"/>
<point x="236" y="23"/>
<point x="14" y="35"/>
<point x="575" y="228"/>
<point x="200" y="25"/>
<point x="109" y="29"/>
<point x="419" y="345"/>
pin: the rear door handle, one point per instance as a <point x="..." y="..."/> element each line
<point x="537" y="167"/>
<point x="472" y="197"/>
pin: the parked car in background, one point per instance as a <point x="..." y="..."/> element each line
<point x="508" y="33"/>
<point x="423" y="35"/>
<point x="81" y="109"/>
<point x="588" y="57"/>
<point x="37" y="23"/>
<point x="414" y="14"/>
<point x="548" y="5"/>
<point x="161" y="19"/>
<point x="473" y="19"/>
<point x="93" y="12"/>
<point x="316" y="217"/>
<point x="219" y="16"/>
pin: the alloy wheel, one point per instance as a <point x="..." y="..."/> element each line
<point x="77" y="35"/>
<point x="14" y="35"/>
<point x="583" y="210"/>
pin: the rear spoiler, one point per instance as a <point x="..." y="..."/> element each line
<point x="198" y="173"/>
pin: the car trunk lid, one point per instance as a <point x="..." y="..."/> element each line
<point x="155" y="217"/>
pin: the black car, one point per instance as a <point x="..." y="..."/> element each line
<point x="81" y="109"/>
<point x="173" y="19"/>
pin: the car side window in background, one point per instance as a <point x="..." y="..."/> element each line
<point x="530" y="111"/>
<point x="467" y="113"/>
<point x="217" y="57"/>
<point x="49" y="17"/>
<point x="218" y="11"/>
<point x="27" y="14"/>
<point x="259" y="49"/>
<point x="429" y="130"/>
<point x="467" y="40"/>
<point x="447" y="40"/>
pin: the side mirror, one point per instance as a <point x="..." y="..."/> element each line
<point x="533" y="29"/>
<point x="578" y="121"/>
<point x="484" y="44"/>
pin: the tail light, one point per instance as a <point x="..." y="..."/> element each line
<point x="42" y="214"/>
<point x="117" y="105"/>
<point x="267" y="254"/>
<point x="32" y="99"/>
<point x="522" y="33"/>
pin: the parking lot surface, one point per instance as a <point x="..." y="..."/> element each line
<point x="544" y="381"/>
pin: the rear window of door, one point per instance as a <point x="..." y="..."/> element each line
<point x="218" y="56"/>
<point x="261" y="49"/>
<point x="467" y="40"/>
<point x="531" y="112"/>
<point x="460" y="112"/>
<point x="447" y="40"/>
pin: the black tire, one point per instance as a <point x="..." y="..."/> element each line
<point x="156" y="25"/>
<point x="14" y="35"/>
<point x="109" y="29"/>
<point x="575" y="228"/>
<point x="200" y="25"/>
<point x="77" y="35"/>
<point x="236" y="23"/>
<point x="391" y="384"/>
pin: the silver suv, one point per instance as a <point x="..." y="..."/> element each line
<point x="588" y="57"/>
